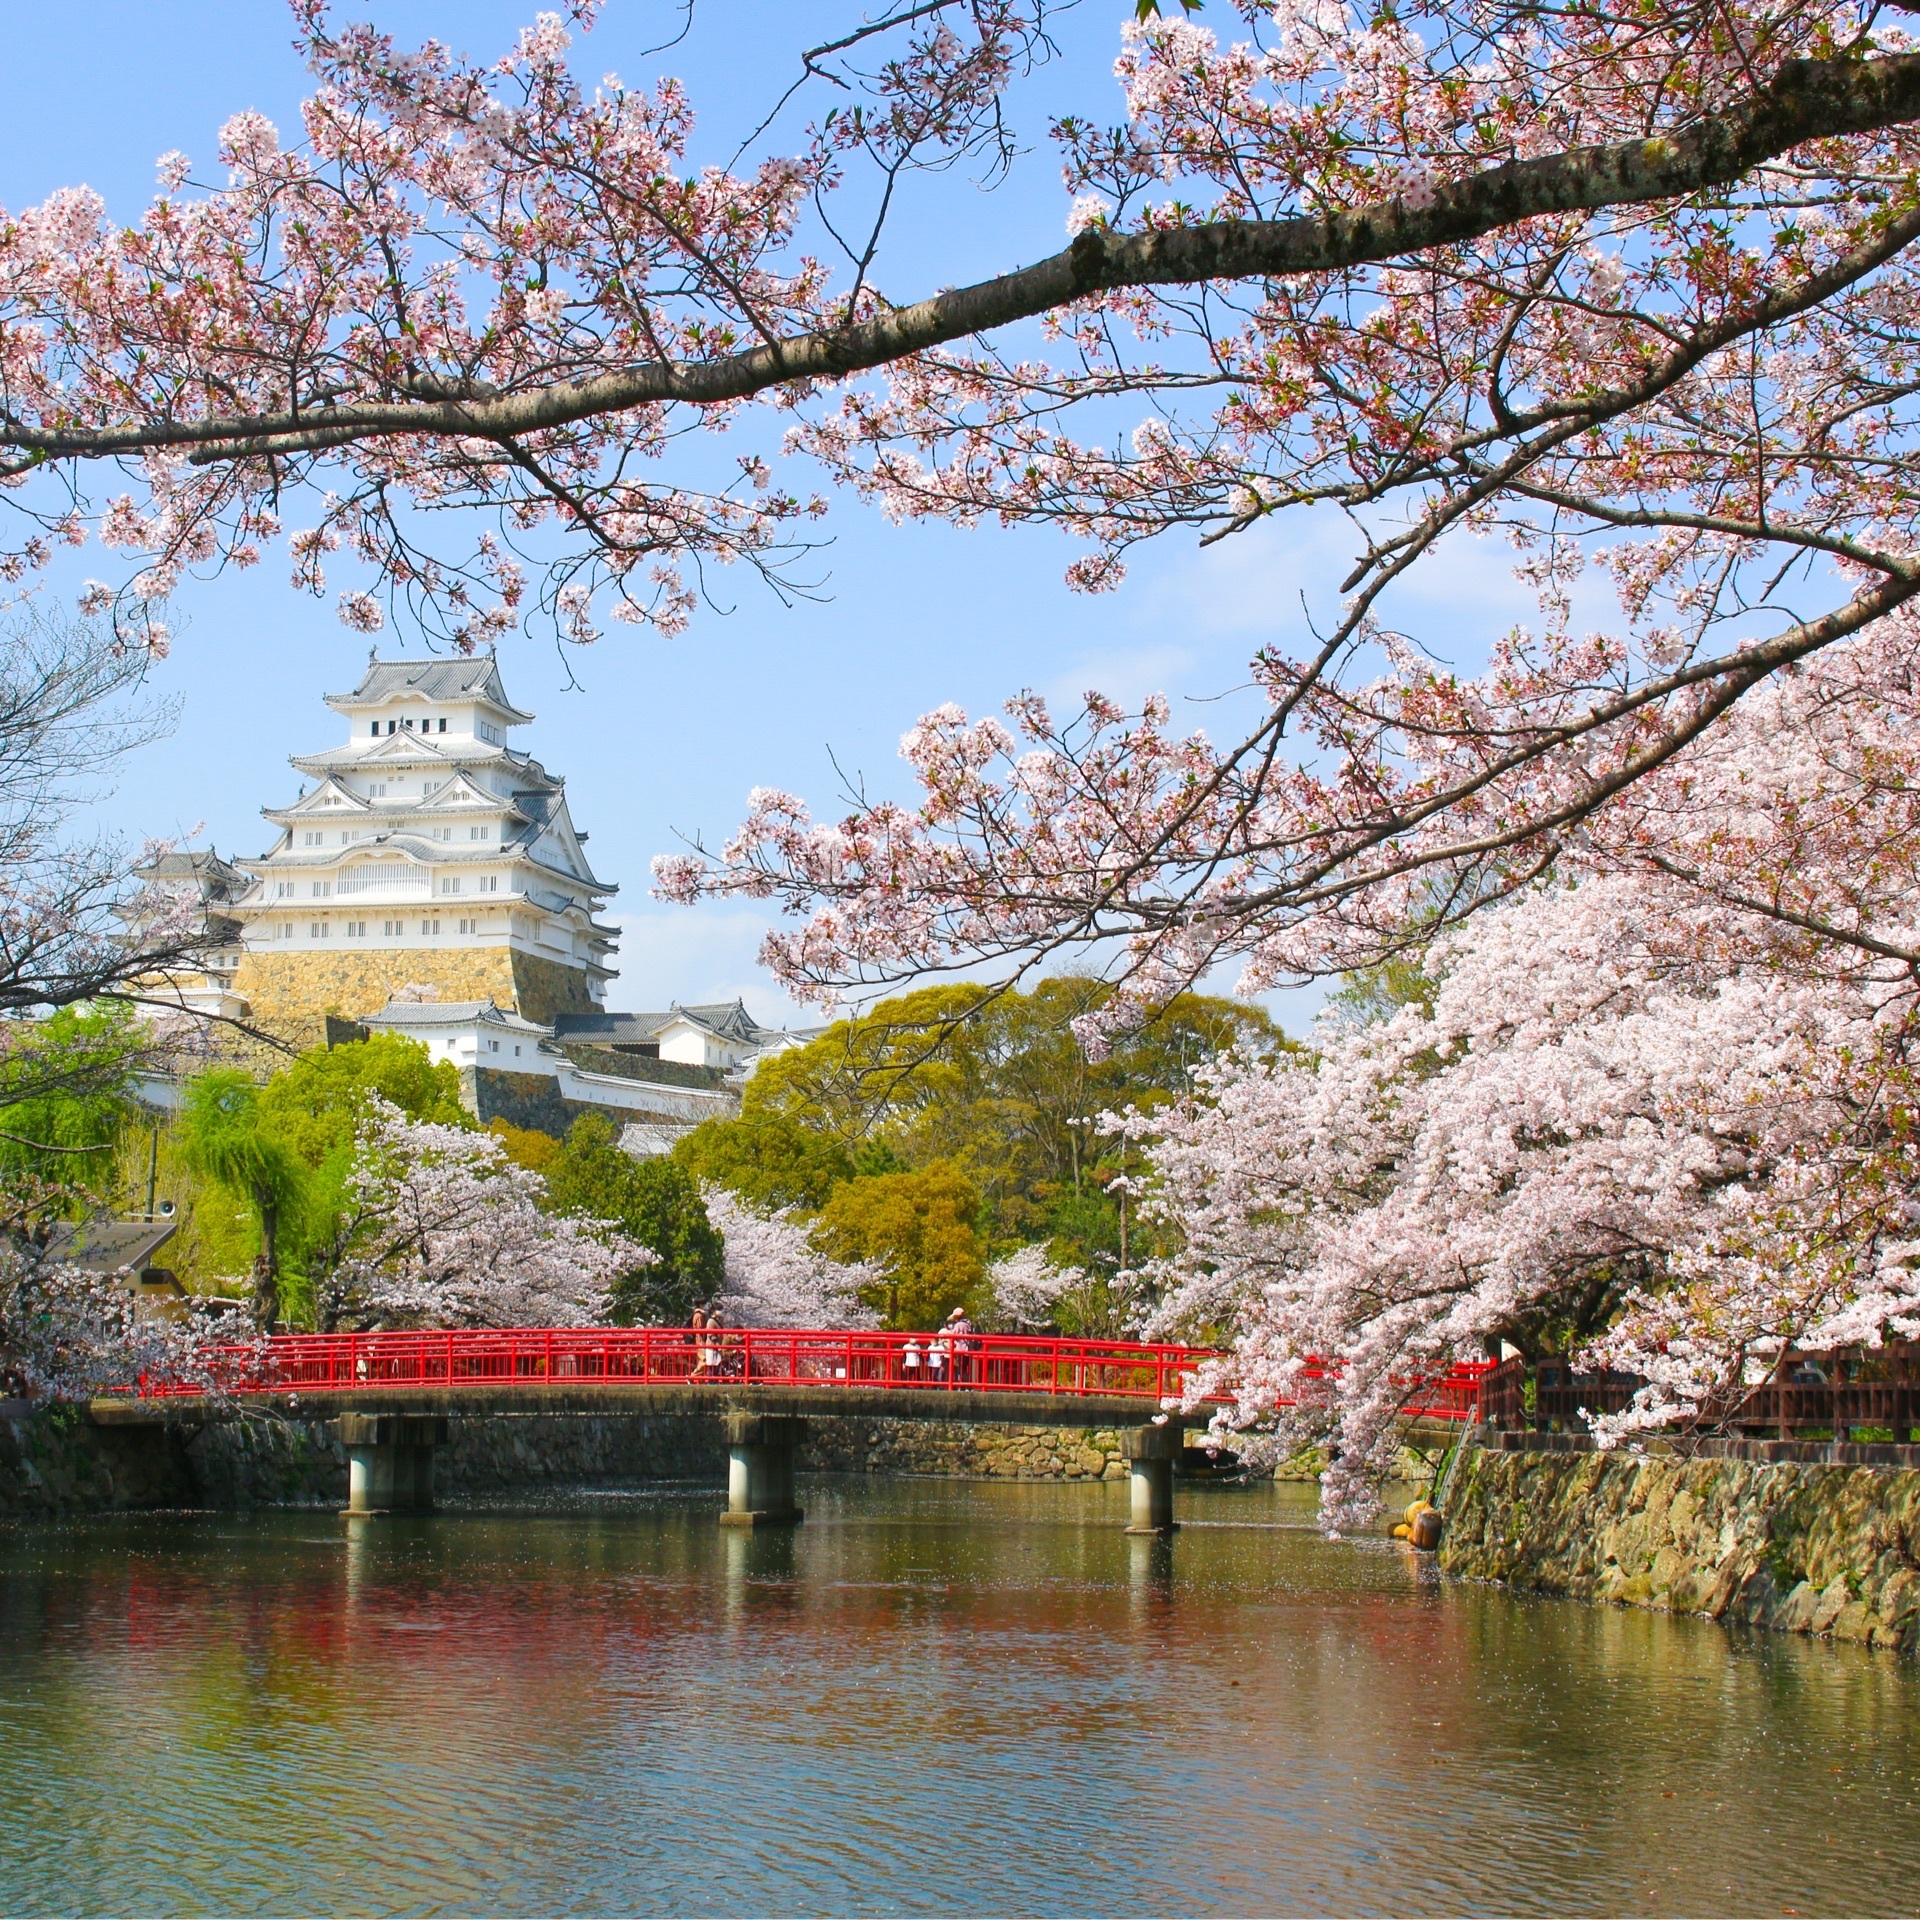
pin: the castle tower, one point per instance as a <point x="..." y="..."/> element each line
<point x="425" y="853"/>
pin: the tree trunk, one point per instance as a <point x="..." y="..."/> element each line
<point x="266" y="1267"/>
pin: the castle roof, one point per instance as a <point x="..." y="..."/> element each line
<point x="218" y="879"/>
<point x="407" y="1016"/>
<point x="726" y="1020"/>
<point x="390" y="680"/>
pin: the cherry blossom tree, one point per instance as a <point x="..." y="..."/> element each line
<point x="1659" y="1115"/>
<point x="443" y="1229"/>
<point x="1026" y="1288"/>
<point x="67" y="1333"/>
<point x="1628" y="287"/>
<point x="776" y="1278"/>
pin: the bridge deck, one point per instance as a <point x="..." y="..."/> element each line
<point x="717" y="1397"/>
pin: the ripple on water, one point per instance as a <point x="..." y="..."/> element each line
<point x="935" y="1697"/>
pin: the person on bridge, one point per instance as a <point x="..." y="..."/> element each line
<point x="959" y="1331"/>
<point x="708" y="1345"/>
<point x="910" y="1363"/>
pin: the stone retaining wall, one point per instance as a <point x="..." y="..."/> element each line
<point x="54" y="1460"/>
<point x="1790" y="1545"/>
<point x="958" y="1451"/>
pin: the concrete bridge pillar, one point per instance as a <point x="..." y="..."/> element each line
<point x="1151" y="1453"/>
<point x="390" y="1460"/>
<point x="760" y="1450"/>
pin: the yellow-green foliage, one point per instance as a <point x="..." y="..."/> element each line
<point x="316" y="1103"/>
<point x="216" y="1235"/>
<point x="920" y="1225"/>
<point x="65" y="1102"/>
<point x="310" y="1109"/>
<point x="526" y="1146"/>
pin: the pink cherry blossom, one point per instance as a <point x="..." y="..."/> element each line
<point x="776" y="1278"/>
<point x="443" y="1230"/>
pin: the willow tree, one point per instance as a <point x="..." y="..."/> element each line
<point x="228" y="1137"/>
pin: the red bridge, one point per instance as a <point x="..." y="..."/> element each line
<point x="711" y="1361"/>
<point x="394" y="1393"/>
<point x="723" y="1361"/>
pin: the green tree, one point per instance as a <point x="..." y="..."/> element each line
<point x="657" y="1202"/>
<point x="315" y="1104"/>
<point x="998" y="1085"/>
<point x="920" y="1226"/>
<point x="315" y="1107"/>
<point x="769" y="1159"/>
<point x="230" y="1139"/>
<point x="74" y="1075"/>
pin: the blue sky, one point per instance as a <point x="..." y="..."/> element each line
<point x="660" y="737"/>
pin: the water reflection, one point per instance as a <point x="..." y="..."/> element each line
<point x="932" y="1697"/>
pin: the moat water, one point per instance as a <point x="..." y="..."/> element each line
<point x="935" y="1697"/>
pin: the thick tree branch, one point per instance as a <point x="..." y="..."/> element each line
<point x="1807" y="100"/>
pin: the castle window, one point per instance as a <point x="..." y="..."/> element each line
<point x="467" y="926"/>
<point x="443" y="726"/>
<point x="377" y="791"/>
<point x="449" y="886"/>
<point x="376" y="729"/>
<point x="429" y="926"/>
<point x="489" y="883"/>
<point x="391" y="927"/>
<point x="322" y="888"/>
<point x="310" y="839"/>
<point x="317" y="930"/>
<point x="479" y="833"/>
<point x="356" y="929"/>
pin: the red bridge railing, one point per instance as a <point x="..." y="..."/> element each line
<point x="527" y="1356"/>
<point x="673" y="1356"/>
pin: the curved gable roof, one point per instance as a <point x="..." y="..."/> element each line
<point x="389" y="680"/>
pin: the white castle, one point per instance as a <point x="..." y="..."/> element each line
<point x="430" y="880"/>
<point x="426" y="835"/>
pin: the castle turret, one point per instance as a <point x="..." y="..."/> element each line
<point x="425" y="852"/>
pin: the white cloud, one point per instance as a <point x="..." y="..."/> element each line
<point x="1126" y="674"/>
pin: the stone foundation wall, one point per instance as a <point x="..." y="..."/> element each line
<point x="292" y="993"/>
<point x="54" y="1460"/>
<point x="529" y="1100"/>
<point x="957" y="1451"/>
<point x="543" y="988"/>
<point x="1788" y="1545"/>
